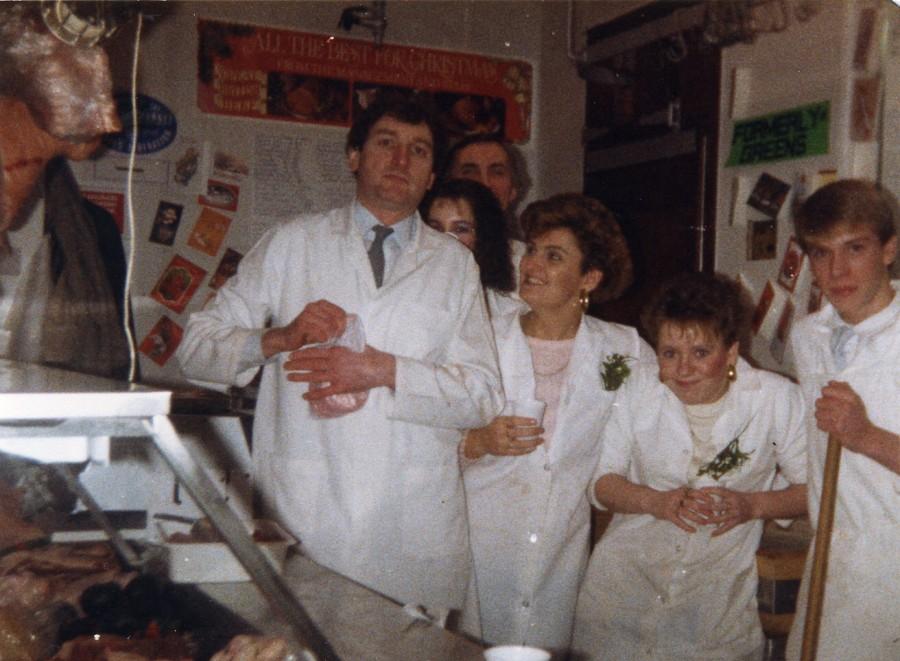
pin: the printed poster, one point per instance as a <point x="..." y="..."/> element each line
<point x="769" y="194"/>
<point x="177" y="284"/>
<point x="268" y="73"/>
<point x="228" y="266"/>
<point x="221" y="195"/>
<point x="795" y="133"/>
<point x="209" y="231"/>
<point x="162" y="340"/>
<point x="165" y="223"/>
<point x="114" y="203"/>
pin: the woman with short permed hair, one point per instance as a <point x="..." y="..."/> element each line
<point x="687" y="464"/>
<point x="526" y="476"/>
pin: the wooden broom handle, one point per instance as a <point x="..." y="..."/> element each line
<point x="820" y="553"/>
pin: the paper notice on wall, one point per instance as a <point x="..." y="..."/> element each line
<point x="336" y="182"/>
<point x="299" y="174"/>
<point x="280" y="190"/>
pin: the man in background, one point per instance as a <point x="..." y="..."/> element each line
<point x="493" y="162"/>
<point x="371" y="488"/>
<point x="848" y="365"/>
<point x="490" y="160"/>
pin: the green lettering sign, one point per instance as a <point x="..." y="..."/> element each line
<point x="795" y="133"/>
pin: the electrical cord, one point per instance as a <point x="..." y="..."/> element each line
<point x="132" y="353"/>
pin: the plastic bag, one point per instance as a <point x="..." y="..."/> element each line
<point x="333" y="406"/>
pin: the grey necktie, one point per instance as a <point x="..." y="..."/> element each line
<point x="376" y="252"/>
<point x="842" y="344"/>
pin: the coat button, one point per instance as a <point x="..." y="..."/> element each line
<point x="533" y="538"/>
<point x="546" y="467"/>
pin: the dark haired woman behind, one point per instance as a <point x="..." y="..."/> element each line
<point x="470" y="212"/>
<point x="687" y="462"/>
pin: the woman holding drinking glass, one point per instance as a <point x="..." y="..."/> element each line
<point x="688" y="463"/>
<point x="526" y="479"/>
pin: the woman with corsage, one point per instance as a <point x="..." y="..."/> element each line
<point x="527" y="479"/>
<point x="688" y="465"/>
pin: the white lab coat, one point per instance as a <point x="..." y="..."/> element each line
<point x="652" y="590"/>
<point x="376" y="494"/>
<point x="529" y="515"/>
<point x="861" y="610"/>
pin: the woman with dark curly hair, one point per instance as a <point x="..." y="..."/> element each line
<point x="688" y="462"/>
<point x="470" y="212"/>
<point x="526" y="478"/>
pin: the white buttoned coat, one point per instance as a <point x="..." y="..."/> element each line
<point x="529" y="515"/>
<point x="376" y="494"/>
<point x="861" y="609"/>
<point x="653" y="591"/>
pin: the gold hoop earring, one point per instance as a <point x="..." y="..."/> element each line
<point x="731" y="373"/>
<point x="584" y="300"/>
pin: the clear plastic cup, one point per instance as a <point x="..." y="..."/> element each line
<point x="526" y="408"/>
<point x="516" y="653"/>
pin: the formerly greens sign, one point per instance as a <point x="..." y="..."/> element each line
<point x="794" y="133"/>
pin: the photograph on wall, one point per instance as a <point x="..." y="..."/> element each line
<point x="762" y="236"/>
<point x="114" y="203"/>
<point x="221" y="195"/>
<point x="782" y="332"/>
<point x="459" y="114"/>
<point x="270" y="73"/>
<point x="864" y="117"/>
<point x="165" y="223"/>
<point x="162" y="340"/>
<point x="177" y="284"/>
<point x="308" y="98"/>
<point x="791" y="265"/>
<point x="209" y="232"/>
<point x="227" y="267"/>
<point x="186" y="165"/>
<point x="230" y="166"/>
<point x="865" y="32"/>
<point x="769" y="194"/>
<point x="762" y="307"/>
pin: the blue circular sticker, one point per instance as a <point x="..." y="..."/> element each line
<point x="156" y="125"/>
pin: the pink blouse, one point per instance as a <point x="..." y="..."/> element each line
<point x="550" y="359"/>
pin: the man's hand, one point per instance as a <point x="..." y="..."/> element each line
<point x="842" y="413"/>
<point x="318" y="322"/>
<point x="343" y="370"/>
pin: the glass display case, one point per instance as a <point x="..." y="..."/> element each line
<point x="62" y="418"/>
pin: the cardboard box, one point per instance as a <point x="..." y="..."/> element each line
<point x="213" y="562"/>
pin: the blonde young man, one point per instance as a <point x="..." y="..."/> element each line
<point x="848" y="364"/>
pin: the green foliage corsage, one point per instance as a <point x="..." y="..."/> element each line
<point x="727" y="460"/>
<point x="615" y="371"/>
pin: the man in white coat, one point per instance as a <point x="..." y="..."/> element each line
<point x="848" y="365"/>
<point x="374" y="494"/>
